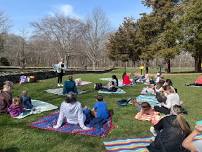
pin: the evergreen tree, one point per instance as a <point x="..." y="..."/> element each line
<point x="149" y="27"/>
<point x="125" y="45"/>
<point x="191" y="25"/>
<point x="165" y="13"/>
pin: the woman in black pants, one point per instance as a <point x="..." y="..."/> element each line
<point x="171" y="131"/>
<point x="60" y="72"/>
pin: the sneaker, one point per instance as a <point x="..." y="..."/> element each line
<point x="152" y="130"/>
<point x="61" y="85"/>
<point x="58" y="84"/>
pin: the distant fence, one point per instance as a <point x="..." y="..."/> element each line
<point x="41" y="75"/>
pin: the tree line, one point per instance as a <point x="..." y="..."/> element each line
<point x="80" y="42"/>
<point x="172" y="27"/>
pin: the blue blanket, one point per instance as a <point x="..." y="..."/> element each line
<point x="149" y="99"/>
<point x="119" y="91"/>
<point x="59" y="91"/>
<point x="46" y="123"/>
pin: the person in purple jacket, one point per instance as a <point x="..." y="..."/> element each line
<point x="15" y="108"/>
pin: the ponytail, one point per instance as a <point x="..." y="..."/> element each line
<point x="183" y="123"/>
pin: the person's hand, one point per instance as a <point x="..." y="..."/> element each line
<point x="93" y="112"/>
<point x="198" y="128"/>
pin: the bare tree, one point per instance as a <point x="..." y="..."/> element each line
<point x="97" y="27"/>
<point x="62" y="30"/>
<point x="4" y="26"/>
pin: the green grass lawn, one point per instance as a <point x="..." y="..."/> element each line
<point x="16" y="135"/>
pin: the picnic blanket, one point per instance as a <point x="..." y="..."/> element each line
<point x="106" y="79"/>
<point x="120" y="82"/>
<point x="132" y="144"/>
<point x="147" y="91"/>
<point x="46" y="123"/>
<point x="82" y="83"/>
<point x="39" y="107"/>
<point x="119" y="91"/>
<point x="194" y="86"/>
<point x="59" y="91"/>
<point x="128" y="145"/>
<point x="149" y="99"/>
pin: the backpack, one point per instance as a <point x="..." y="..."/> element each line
<point x="98" y="86"/>
<point x="123" y="102"/>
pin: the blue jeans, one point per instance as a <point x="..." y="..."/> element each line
<point x="91" y="121"/>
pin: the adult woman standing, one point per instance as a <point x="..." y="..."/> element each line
<point x="60" y="72"/>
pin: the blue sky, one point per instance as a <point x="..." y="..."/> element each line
<point x="22" y="12"/>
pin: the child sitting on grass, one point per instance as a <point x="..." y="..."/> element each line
<point x="99" y="114"/>
<point x="15" y="108"/>
<point x="26" y="100"/>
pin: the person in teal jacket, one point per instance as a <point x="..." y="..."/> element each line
<point x="70" y="86"/>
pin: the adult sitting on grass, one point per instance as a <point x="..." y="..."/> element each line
<point x="115" y="80"/>
<point x="126" y="79"/>
<point x="70" y="86"/>
<point x="158" y="77"/>
<point x="111" y="87"/>
<point x="191" y="144"/>
<point x="171" y="131"/>
<point x="168" y="82"/>
<point x="6" y="97"/>
<point x="198" y="82"/>
<point x="71" y="110"/>
<point x="158" y="86"/>
<point x="147" y="113"/>
<point x="172" y="99"/>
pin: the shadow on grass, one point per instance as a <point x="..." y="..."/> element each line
<point x="182" y="72"/>
<point x="12" y="149"/>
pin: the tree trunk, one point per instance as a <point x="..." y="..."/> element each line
<point x="133" y="61"/>
<point x="125" y="66"/>
<point x="197" y="64"/>
<point x="168" y="66"/>
<point x="147" y="67"/>
<point x="94" y="64"/>
<point x="67" y="57"/>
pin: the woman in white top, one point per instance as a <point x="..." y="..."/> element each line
<point x="158" y="77"/>
<point x="172" y="99"/>
<point x="72" y="111"/>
